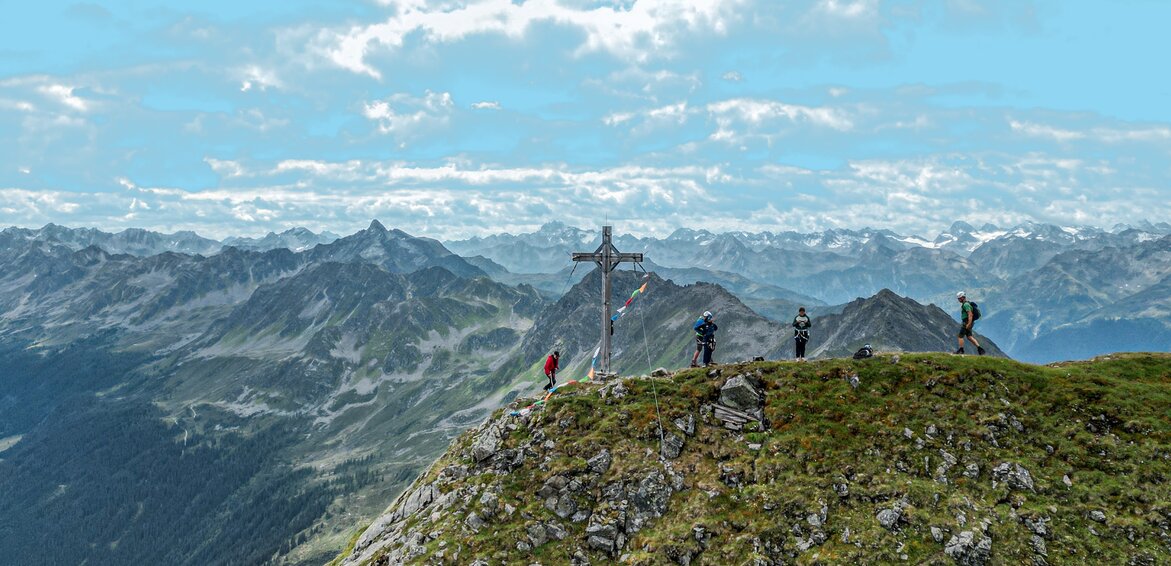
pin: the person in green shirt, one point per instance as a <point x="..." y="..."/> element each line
<point x="967" y="319"/>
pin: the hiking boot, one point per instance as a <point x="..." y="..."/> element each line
<point x="546" y="387"/>
<point x="979" y="350"/>
<point x="959" y="351"/>
<point x="694" y="365"/>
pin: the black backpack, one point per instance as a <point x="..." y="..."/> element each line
<point x="863" y="353"/>
<point x="975" y="311"/>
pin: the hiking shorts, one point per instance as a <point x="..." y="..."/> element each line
<point x="965" y="332"/>
<point x="699" y="341"/>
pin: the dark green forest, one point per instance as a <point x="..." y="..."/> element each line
<point x="105" y="479"/>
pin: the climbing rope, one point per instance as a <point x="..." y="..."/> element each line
<point x="654" y="390"/>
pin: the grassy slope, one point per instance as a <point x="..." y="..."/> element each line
<point x="1105" y="423"/>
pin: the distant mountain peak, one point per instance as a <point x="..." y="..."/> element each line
<point x="376" y="226"/>
<point x="961" y="227"/>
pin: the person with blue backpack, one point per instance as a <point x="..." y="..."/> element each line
<point x="705" y="339"/>
<point x="969" y="314"/>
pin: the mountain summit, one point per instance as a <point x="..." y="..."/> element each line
<point x="927" y="459"/>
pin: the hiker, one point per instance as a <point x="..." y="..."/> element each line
<point x="709" y="341"/>
<point x="969" y="312"/>
<point x="551" y="365"/>
<point x="801" y="326"/>
<point x="864" y="352"/>
<point x="705" y="338"/>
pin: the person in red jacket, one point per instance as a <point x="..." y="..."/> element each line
<point x="551" y="369"/>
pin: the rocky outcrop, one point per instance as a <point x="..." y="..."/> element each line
<point x="888" y="472"/>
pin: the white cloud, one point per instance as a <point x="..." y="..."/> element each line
<point x="1112" y="135"/>
<point x="644" y="30"/>
<point x="63" y="94"/>
<point x="486" y="105"/>
<point x="404" y="115"/>
<point x="1043" y="131"/>
<point x="849" y="10"/>
<point x="19" y="105"/>
<point x="224" y="167"/>
<point x="254" y="76"/>
<point x="733" y="76"/>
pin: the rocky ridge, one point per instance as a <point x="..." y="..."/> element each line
<point x="929" y="459"/>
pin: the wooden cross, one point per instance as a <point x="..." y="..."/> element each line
<point x="607" y="257"/>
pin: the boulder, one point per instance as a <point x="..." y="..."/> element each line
<point x="1014" y="475"/>
<point x="969" y="549"/>
<point x="600" y="463"/>
<point x="486" y="444"/>
<point x="672" y="446"/>
<point x="741" y="395"/>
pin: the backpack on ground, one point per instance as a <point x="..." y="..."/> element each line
<point x="863" y="353"/>
<point x="975" y="311"/>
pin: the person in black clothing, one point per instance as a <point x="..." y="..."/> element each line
<point x="801" y="326"/>
<point x="708" y="328"/>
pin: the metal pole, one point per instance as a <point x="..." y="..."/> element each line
<point x="607" y="262"/>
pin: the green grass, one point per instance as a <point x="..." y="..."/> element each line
<point x="1106" y="424"/>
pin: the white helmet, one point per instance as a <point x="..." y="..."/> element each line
<point x="960" y="295"/>
<point x="707" y="314"/>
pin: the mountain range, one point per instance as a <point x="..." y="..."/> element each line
<point x="283" y="395"/>
<point x="1043" y="285"/>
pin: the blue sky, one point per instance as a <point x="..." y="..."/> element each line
<point x="450" y="119"/>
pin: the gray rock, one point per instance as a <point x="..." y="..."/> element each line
<point x="969" y="549"/>
<point x="600" y="463"/>
<point x="474" y="522"/>
<point x="1039" y="546"/>
<point x="937" y="534"/>
<point x="601" y="543"/>
<point x="672" y="446"/>
<point x="945" y="466"/>
<point x="553" y="486"/>
<point x="1039" y="527"/>
<point x="490" y="503"/>
<point x="1014" y="475"/>
<point x="1065" y="480"/>
<point x="537" y="534"/>
<point x="842" y="489"/>
<point x="908" y="434"/>
<point x="487" y="444"/>
<point x="853" y="380"/>
<point x="972" y="471"/>
<point x="417" y="500"/>
<point x="565" y="506"/>
<point x="686" y="425"/>
<point x="660" y="372"/>
<point x="1097" y="516"/>
<point x="555" y="531"/>
<point x="647" y="501"/>
<point x="889" y="518"/>
<point x="740" y="394"/>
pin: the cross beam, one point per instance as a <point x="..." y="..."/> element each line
<point x="607" y="257"/>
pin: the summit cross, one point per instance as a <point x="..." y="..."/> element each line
<point x="607" y="257"/>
